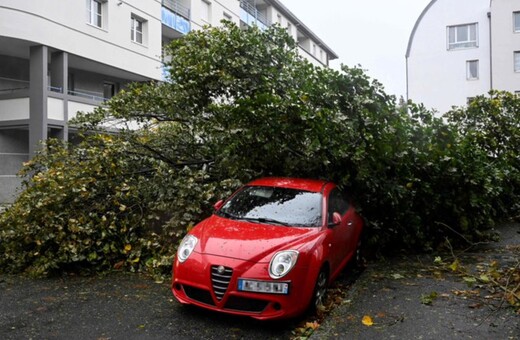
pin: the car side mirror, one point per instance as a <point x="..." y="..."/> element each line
<point x="218" y="205"/>
<point x="336" y="219"/>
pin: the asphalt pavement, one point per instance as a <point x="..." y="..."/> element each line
<point x="419" y="298"/>
<point x="400" y="298"/>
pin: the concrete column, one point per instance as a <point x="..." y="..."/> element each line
<point x="59" y="79"/>
<point x="38" y="97"/>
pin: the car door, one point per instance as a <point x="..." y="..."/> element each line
<point x="342" y="234"/>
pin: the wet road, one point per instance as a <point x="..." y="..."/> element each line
<point x="116" y="306"/>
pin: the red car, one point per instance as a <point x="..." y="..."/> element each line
<point x="269" y="251"/>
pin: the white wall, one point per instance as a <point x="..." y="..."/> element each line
<point x="437" y="76"/>
<point x="75" y="107"/>
<point x="232" y="8"/>
<point x="14" y="109"/>
<point x="217" y="10"/>
<point x="55" y="109"/>
<point x="505" y="42"/>
<point x="63" y="25"/>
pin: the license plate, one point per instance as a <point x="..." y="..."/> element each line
<point x="267" y="287"/>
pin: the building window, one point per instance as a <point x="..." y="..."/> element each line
<point x="228" y="16"/>
<point x="289" y="28"/>
<point x="516" y="21"/>
<point x="517" y="61"/>
<point x="206" y="11"/>
<point x="462" y="36"/>
<point x="136" y="29"/>
<point x="95" y="12"/>
<point x="279" y="19"/>
<point x="109" y="90"/>
<point x="472" y="69"/>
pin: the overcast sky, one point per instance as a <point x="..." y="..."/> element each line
<point x="372" y="33"/>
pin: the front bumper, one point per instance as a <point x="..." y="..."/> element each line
<point x="197" y="281"/>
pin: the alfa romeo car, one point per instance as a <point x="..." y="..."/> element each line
<point x="269" y="251"/>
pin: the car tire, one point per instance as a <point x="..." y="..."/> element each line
<point x="320" y="291"/>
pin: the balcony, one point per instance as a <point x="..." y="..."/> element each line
<point x="15" y="103"/>
<point x="250" y="15"/>
<point x="176" y="16"/>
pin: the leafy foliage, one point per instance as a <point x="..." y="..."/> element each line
<point x="241" y="104"/>
<point x="81" y="206"/>
<point x="491" y="125"/>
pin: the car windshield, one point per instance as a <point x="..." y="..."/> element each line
<point x="275" y="205"/>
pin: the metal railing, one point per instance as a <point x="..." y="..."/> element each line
<point x="23" y="85"/>
<point x="95" y="96"/>
<point x="175" y="21"/>
<point x="254" y="14"/>
<point x="55" y="89"/>
<point x="13" y="90"/>
<point x="177" y="7"/>
<point x="15" y="80"/>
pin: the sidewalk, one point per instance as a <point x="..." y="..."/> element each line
<point x="409" y="298"/>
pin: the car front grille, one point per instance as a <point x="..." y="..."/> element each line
<point x="220" y="280"/>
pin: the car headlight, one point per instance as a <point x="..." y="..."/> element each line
<point x="186" y="247"/>
<point x="282" y="263"/>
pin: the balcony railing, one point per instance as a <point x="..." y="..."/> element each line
<point x="175" y="21"/>
<point x="14" y="90"/>
<point x="177" y="7"/>
<point x="10" y="85"/>
<point x="22" y="86"/>
<point x="251" y="16"/>
<point x="95" y="96"/>
<point x="55" y="89"/>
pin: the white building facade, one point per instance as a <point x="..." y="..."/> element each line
<point x="459" y="49"/>
<point x="61" y="57"/>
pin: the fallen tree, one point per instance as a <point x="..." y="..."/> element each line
<point x="239" y="105"/>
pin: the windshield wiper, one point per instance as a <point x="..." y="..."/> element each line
<point x="226" y="214"/>
<point x="266" y="220"/>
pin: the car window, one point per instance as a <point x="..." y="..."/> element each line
<point x="287" y="206"/>
<point x="337" y="203"/>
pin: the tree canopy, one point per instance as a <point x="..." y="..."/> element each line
<point x="240" y="104"/>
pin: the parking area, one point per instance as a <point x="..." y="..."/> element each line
<point x="393" y="293"/>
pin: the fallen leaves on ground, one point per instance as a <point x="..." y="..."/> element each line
<point x="367" y="321"/>
<point x="500" y="280"/>
<point x="336" y="295"/>
<point x="397" y="276"/>
<point x="427" y="299"/>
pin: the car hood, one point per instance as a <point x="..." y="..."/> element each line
<point x="247" y="240"/>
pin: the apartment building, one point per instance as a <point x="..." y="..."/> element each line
<point x="459" y="49"/>
<point x="61" y="57"/>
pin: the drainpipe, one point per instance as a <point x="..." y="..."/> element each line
<point x="407" y="86"/>
<point x="490" y="53"/>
